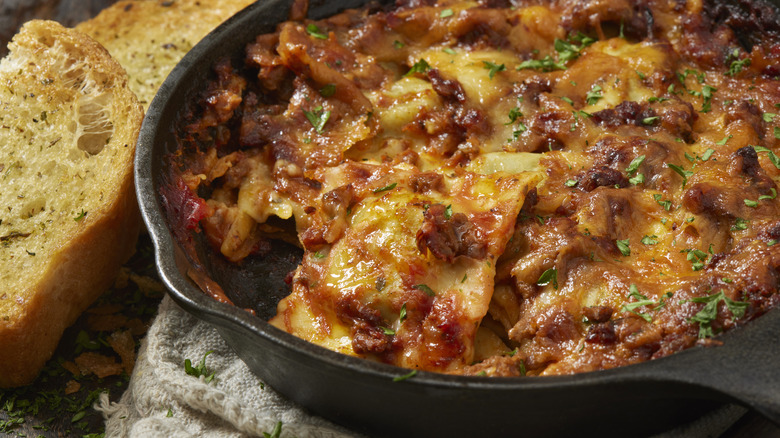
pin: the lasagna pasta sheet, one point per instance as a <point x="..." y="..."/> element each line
<point x="501" y="188"/>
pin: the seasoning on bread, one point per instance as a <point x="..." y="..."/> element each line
<point x="68" y="215"/>
<point x="148" y="38"/>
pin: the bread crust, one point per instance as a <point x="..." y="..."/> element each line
<point x="85" y="263"/>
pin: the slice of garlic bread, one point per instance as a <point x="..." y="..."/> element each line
<point x="68" y="213"/>
<point x="148" y="38"/>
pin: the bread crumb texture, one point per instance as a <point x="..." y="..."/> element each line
<point x="148" y="38"/>
<point x="68" y="218"/>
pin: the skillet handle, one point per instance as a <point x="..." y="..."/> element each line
<point x="745" y="369"/>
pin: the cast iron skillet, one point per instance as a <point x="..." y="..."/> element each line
<point x="362" y="395"/>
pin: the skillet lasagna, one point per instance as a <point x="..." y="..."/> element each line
<point x="500" y="187"/>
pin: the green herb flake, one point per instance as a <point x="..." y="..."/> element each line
<point x="567" y="100"/>
<point x="725" y="140"/>
<point x="750" y="203"/>
<point x="402" y="313"/>
<point x="169" y="414"/>
<point x="448" y="211"/>
<point x="637" y="179"/>
<point x="200" y="369"/>
<point x="570" y="183"/>
<point x="772" y="196"/>
<point x="737" y="64"/>
<point x="666" y="204"/>
<point x="697" y="257"/>
<point x="446" y="13"/>
<point x="514" y="114"/>
<point x="405" y="376"/>
<point x="276" y="433"/>
<point x="640" y="74"/>
<point x="685" y="174"/>
<point x="425" y="288"/>
<point x="386" y="188"/>
<point x="593" y="95"/>
<point x="318" y="118"/>
<point x="388" y="331"/>
<point x="777" y="132"/>
<point x="650" y="120"/>
<point x="650" y="240"/>
<point x="328" y="90"/>
<point x="420" y="66"/>
<point x="315" y="31"/>
<point x="623" y="247"/>
<point x="740" y="224"/>
<point x="80" y="216"/>
<point x="547" y="64"/>
<point x="549" y="276"/>
<point x="634" y="165"/>
<point x="709" y="312"/>
<point x="398" y="44"/>
<point x="493" y="68"/>
<point x="448" y="51"/>
<point x="707" y="154"/>
<point x="768" y="117"/>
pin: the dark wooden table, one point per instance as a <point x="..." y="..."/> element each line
<point x="43" y="408"/>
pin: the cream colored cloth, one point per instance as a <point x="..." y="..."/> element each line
<point x="163" y="401"/>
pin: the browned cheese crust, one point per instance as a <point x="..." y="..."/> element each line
<point x="491" y="188"/>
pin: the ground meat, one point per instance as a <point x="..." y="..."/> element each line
<point x="423" y="182"/>
<point x="601" y="176"/>
<point x="449" y="235"/>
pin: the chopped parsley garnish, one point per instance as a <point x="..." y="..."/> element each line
<point x="570" y="183"/>
<point x="318" y="118"/>
<point x="640" y="74"/>
<point x="633" y="166"/>
<point x="737" y="64"/>
<point x="420" y="66"/>
<point x="200" y="369"/>
<point x="650" y="120"/>
<point x="425" y="288"/>
<point x="514" y="114"/>
<point x="650" y="240"/>
<point x="328" y="90"/>
<point x="593" y="95"/>
<point x="768" y="117"/>
<point x="706" y="94"/>
<point x="390" y="186"/>
<point x="569" y="101"/>
<point x="777" y="132"/>
<point x="740" y="224"/>
<point x="446" y="13"/>
<point x="398" y="44"/>
<point x="771" y="155"/>
<point x="623" y="247"/>
<point x="448" y="211"/>
<point x="697" y="258"/>
<point x="276" y="433"/>
<point x="725" y="139"/>
<point x="448" y="51"/>
<point x="636" y="180"/>
<point x="707" y="154"/>
<point x="405" y="376"/>
<point x="657" y="99"/>
<point x="641" y="301"/>
<point x="402" y="313"/>
<point x="666" y="204"/>
<point x="567" y="51"/>
<point x="493" y="68"/>
<point x="750" y="203"/>
<point x="546" y="64"/>
<point x="80" y="216"/>
<point x="772" y="196"/>
<point x="315" y="31"/>
<point x="685" y="174"/>
<point x="549" y="276"/>
<point x="709" y="312"/>
<point x="388" y="331"/>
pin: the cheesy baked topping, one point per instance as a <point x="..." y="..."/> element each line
<point x="501" y="188"/>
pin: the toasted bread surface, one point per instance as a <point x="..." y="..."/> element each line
<point x="69" y="218"/>
<point x="148" y="38"/>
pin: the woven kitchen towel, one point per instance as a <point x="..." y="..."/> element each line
<point x="164" y="401"/>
